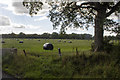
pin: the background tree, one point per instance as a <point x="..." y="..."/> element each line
<point x="13" y="35"/>
<point x="73" y="36"/>
<point x="54" y="35"/>
<point x="21" y="35"/>
<point x="71" y="14"/>
<point x="45" y="35"/>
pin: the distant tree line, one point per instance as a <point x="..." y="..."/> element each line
<point x="54" y="35"/>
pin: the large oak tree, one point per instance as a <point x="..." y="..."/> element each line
<point x="76" y="14"/>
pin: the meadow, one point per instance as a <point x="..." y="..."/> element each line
<point x="34" y="46"/>
<point x="41" y="63"/>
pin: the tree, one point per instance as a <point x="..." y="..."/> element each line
<point x="63" y="36"/>
<point x="21" y="35"/>
<point x="54" y="35"/>
<point x="45" y="35"/>
<point x="13" y="35"/>
<point x="71" y="14"/>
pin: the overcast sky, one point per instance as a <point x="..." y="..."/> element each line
<point x="15" y="18"/>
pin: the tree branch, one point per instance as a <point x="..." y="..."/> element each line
<point x="92" y="5"/>
<point x="114" y="8"/>
<point x="87" y="7"/>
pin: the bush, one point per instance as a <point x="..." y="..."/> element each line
<point x="92" y="46"/>
<point x="107" y="46"/>
<point x="84" y="65"/>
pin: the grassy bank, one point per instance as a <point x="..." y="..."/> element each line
<point x="50" y="65"/>
<point x="84" y="65"/>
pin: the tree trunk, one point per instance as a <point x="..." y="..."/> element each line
<point x="99" y="30"/>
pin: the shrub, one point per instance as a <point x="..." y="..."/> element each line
<point x="92" y="46"/>
<point x="107" y="46"/>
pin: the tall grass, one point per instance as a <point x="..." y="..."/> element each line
<point x="86" y="64"/>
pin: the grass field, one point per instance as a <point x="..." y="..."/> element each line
<point x="49" y="65"/>
<point x="33" y="46"/>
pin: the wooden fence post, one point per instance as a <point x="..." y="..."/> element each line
<point x="76" y="51"/>
<point x="73" y="49"/>
<point x="59" y="52"/>
<point x="24" y="52"/>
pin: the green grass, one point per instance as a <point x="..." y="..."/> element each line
<point x="36" y="47"/>
<point x="49" y="65"/>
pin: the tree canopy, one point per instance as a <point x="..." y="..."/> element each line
<point x="54" y="35"/>
<point x="74" y="14"/>
<point x="80" y="15"/>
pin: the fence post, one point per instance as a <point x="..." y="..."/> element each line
<point x="59" y="52"/>
<point x="73" y="49"/>
<point x="76" y="51"/>
<point x="15" y="50"/>
<point x="24" y="52"/>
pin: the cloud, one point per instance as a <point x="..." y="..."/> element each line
<point x="6" y="2"/>
<point x="18" y="25"/>
<point x="32" y="27"/>
<point x="81" y="30"/>
<point x="113" y="17"/>
<point x="19" y="8"/>
<point x="17" y="28"/>
<point x="16" y="6"/>
<point x="29" y="29"/>
<point x="107" y="33"/>
<point x="42" y="18"/>
<point x="4" y="20"/>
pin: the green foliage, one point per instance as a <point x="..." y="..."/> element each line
<point x="92" y="46"/>
<point x="84" y="65"/>
<point x="112" y="26"/>
<point x="70" y="14"/>
<point x="54" y="35"/>
<point x="33" y="6"/>
<point x="47" y="64"/>
<point x="108" y="46"/>
<point x="35" y="47"/>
